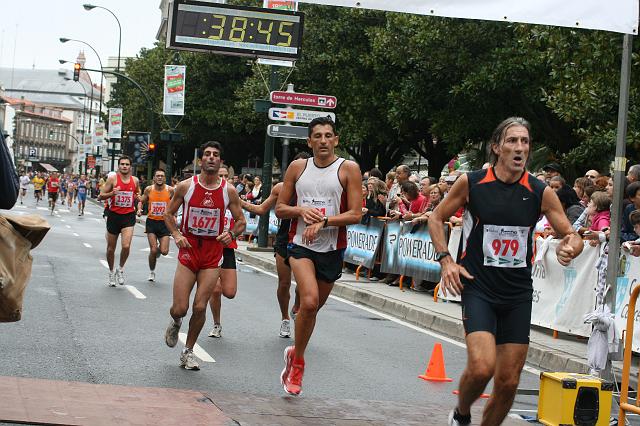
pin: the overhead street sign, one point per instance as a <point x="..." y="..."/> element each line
<point x="298" y="115"/>
<point x="304" y="99"/>
<point x="285" y="131"/>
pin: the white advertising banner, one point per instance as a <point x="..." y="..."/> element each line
<point x="563" y="295"/>
<point x="174" y="86"/>
<point x="115" y="123"/>
<point x="454" y="242"/>
<point x="615" y="15"/>
<point x="87" y="143"/>
<point x="625" y="286"/>
<point x="97" y="139"/>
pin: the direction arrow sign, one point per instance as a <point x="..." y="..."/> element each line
<point x="304" y="99"/>
<point x="285" y="131"/>
<point x="299" y="115"/>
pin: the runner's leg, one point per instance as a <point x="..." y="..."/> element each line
<point x="307" y="286"/>
<point x="284" y="286"/>
<point x="164" y="245"/>
<point x="510" y="360"/>
<point x="183" y="282"/>
<point x="206" y="279"/>
<point x="125" y="244"/>
<point x="481" y="361"/>
<point x="112" y="241"/>
<point x="215" y="302"/>
<point x="153" y="250"/>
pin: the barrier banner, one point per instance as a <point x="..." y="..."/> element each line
<point x="389" y="261"/>
<point x="416" y="253"/>
<point x="363" y="242"/>
<point x="563" y="295"/>
<point x="455" y="236"/>
<point x="630" y="267"/>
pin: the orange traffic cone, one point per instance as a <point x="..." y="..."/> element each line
<point x="435" y="370"/>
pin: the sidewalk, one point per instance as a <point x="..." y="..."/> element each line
<point x="566" y="353"/>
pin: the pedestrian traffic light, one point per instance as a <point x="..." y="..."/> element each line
<point x="152" y="147"/>
<point x="76" y="71"/>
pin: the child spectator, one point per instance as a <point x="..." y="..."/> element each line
<point x="599" y="210"/>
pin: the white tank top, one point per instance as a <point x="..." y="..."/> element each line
<point x="321" y="188"/>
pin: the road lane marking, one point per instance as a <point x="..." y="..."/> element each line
<point x="135" y="292"/>
<point x="21" y="206"/>
<point x="104" y="263"/>
<point x="68" y="227"/>
<point x="42" y="208"/>
<point x="62" y="220"/>
<point x="75" y="234"/>
<point x="63" y="210"/>
<point x="87" y="245"/>
<point x="197" y="349"/>
<point x="527" y="368"/>
<point x="89" y="213"/>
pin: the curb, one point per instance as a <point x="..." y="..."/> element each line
<point x="539" y="356"/>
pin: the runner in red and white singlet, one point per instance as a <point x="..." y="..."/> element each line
<point x="123" y="191"/>
<point x="201" y="238"/>
<point x="328" y="197"/>
<point x="228" y="282"/>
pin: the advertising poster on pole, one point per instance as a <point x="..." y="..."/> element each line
<point x="174" y="87"/>
<point x="115" y="123"/>
<point x="97" y="139"/>
<point x="280" y="4"/>
<point x="363" y="242"/>
<point x="87" y="144"/>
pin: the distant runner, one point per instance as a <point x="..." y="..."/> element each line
<point x="82" y="188"/>
<point x="53" y="189"/>
<point x="38" y="184"/>
<point x="24" y="186"/>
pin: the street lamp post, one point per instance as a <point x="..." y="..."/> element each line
<point x="64" y="40"/>
<point x="84" y="129"/>
<point x="90" y="7"/>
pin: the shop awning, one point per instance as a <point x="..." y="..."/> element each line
<point x="48" y="167"/>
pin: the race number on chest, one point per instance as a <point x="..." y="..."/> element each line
<point x="123" y="199"/>
<point x="204" y="221"/>
<point x="505" y="246"/>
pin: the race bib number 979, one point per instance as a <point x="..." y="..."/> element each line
<point x="505" y="246"/>
<point x="203" y="221"/>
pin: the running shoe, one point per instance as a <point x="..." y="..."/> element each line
<point x="288" y="360"/>
<point x="453" y="422"/>
<point x="120" y="276"/>
<point x="152" y="276"/>
<point x="285" y="328"/>
<point x="112" y="279"/>
<point x="216" y="331"/>
<point x="171" y="335"/>
<point x="188" y="360"/>
<point x="293" y="382"/>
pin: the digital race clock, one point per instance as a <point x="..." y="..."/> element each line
<point x="235" y="30"/>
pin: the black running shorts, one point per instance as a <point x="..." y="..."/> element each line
<point x="280" y="249"/>
<point x="53" y="196"/>
<point x="328" y="265"/>
<point x="117" y="222"/>
<point x="228" y="258"/>
<point x="156" y="227"/>
<point x="508" y="322"/>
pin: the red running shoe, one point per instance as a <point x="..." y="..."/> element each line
<point x="291" y="377"/>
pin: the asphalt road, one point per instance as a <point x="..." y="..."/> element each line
<point x="75" y="328"/>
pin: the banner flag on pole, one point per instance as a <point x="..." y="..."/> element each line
<point x="174" y="86"/>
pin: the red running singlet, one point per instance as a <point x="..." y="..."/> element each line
<point x="123" y="201"/>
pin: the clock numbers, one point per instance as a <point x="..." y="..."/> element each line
<point x="219" y="27"/>
<point x="267" y="31"/>
<point x="282" y="32"/>
<point x="235" y="29"/>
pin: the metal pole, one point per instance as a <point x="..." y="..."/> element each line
<point x="619" y="168"/>
<point x="267" y="169"/>
<point x="195" y="160"/>
<point x="285" y="158"/>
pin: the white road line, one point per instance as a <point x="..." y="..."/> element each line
<point x="87" y="245"/>
<point x="197" y="349"/>
<point x="135" y="292"/>
<point x="527" y="368"/>
<point x="104" y="263"/>
<point x="89" y="213"/>
<point x="62" y="220"/>
<point x="21" y="206"/>
<point x="145" y="249"/>
<point x="75" y="234"/>
<point x="63" y="211"/>
<point x="42" y="208"/>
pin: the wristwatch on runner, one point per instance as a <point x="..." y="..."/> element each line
<point x="232" y="235"/>
<point x="326" y="221"/>
<point x="441" y="255"/>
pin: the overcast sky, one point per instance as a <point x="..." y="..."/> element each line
<point x="33" y="27"/>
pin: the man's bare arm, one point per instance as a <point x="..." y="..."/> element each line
<point x="238" y="218"/>
<point x="144" y="199"/>
<point x="351" y="173"/>
<point x="287" y="192"/>
<point x="571" y="245"/>
<point x="169" y="213"/>
<point x="107" y="190"/>
<point x="266" y="205"/>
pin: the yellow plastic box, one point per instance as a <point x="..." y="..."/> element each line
<point x="574" y="399"/>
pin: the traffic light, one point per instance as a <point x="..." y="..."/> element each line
<point x="152" y="147"/>
<point x="76" y="71"/>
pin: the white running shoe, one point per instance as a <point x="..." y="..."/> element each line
<point x="120" y="276"/>
<point x="285" y="328"/>
<point x="112" y="279"/>
<point x="171" y="335"/>
<point x="188" y="360"/>
<point x="216" y="331"/>
<point x="152" y="276"/>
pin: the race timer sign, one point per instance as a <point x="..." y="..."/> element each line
<point x="235" y="30"/>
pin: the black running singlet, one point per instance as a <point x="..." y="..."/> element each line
<point x="499" y="222"/>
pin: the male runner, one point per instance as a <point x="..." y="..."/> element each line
<point x="63" y="188"/>
<point x="503" y="204"/>
<point x="24" y="185"/>
<point x="201" y="238"/>
<point x="53" y="188"/>
<point x="158" y="196"/>
<point x="38" y="184"/>
<point x="280" y="253"/>
<point x="328" y="197"/>
<point x="227" y="282"/>
<point x="122" y="190"/>
<point x="81" y="189"/>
